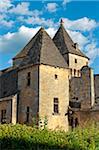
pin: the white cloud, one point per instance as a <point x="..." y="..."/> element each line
<point x="52" y="7"/>
<point x="83" y="24"/>
<point x="79" y="38"/>
<point x="51" y="31"/>
<point x="10" y="62"/>
<point x="66" y="1"/>
<point x="5" y="5"/>
<point x="7" y="9"/>
<point x="13" y="42"/>
<point x="92" y="51"/>
<point x="38" y="21"/>
<point x="4" y="22"/>
<point x="21" y="9"/>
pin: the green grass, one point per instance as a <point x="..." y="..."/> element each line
<point x="22" y="137"/>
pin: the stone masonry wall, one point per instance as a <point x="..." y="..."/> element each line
<point x="96" y="78"/>
<point x="87" y="117"/>
<point x="50" y="88"/>
<point x="82" y="88"/>
<point x="81" y="61"/>
<point x="8" y="83"/>
<point x="28" y="95"/>
<point x="5" y="104"/>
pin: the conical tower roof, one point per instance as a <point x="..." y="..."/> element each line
<point x="64" y="42"/>
<point x="41" y="50"/>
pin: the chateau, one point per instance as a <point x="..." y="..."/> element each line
<point x="49" y="78"/>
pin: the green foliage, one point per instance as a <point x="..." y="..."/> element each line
<point x="22" y="137"/>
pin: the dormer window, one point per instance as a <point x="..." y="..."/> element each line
<point x="75" y="45"/>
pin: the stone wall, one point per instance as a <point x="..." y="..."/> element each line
<point x="6" y="104"/>
<point x="50" y="88"/>
<point x="96" y="78"/>
<point x="28" y="95"/>
<point x="8" y="83"/>
<point x="81" y="61"/>
<point x="82" y="88"/>
<point x="86" y="118"/>
<point x="10" y="105"/>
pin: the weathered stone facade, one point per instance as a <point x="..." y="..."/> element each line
<point x="96" y="78"/>
<point x="76" y="63"/>
<point x="28" y="95"/>
<point x="50" y="88"/>
<point x="49" y="79"/>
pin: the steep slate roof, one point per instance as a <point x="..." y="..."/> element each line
<point x="41" y="50"/>
<point x="64" y="43"/>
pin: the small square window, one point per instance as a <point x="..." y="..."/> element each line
<point x="75" y="60"/>
<point x="56" y="76"/>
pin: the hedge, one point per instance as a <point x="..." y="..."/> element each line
<point x="22" y="137"/>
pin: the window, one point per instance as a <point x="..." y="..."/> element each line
<point x="28" y="78"/>
<point x="56" y="76"/>
<point x="75" y="60"/>
<point x="27" y="114"/>
<point x="76" y="98"/>
<point x="56" y="103"/>
<point x="4" y="92"/>
<point x="78" y="72"/>
<point x="71" y="72"/>
<point x="74" y="72"/>
<point x="3" y="116"/>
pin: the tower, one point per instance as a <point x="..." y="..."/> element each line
<point x="70" y="51"/>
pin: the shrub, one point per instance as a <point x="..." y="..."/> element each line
<point x="22" y="137"/>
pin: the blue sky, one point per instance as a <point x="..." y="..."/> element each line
<point x="21" y="19"/>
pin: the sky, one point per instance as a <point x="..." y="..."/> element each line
<point x="21" y="19"/>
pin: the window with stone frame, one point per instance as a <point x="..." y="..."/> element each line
<point x="28" y="79"/>
<point x="3" y="116"/>
<point x="75" y="60"/>
<point x="74" y="72"/>
<point x="56" y="106"/>
<point x="27" y="114"/>
<point x="78" y="72"/>
<point x="56" y="76"/>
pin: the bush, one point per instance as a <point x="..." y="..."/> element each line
<point x="22" y="137"/>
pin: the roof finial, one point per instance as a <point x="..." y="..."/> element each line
<point x="61" y="22"/>
<point x="42" y="28"/>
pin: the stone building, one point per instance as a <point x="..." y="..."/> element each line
<point x="50" y="79"/>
